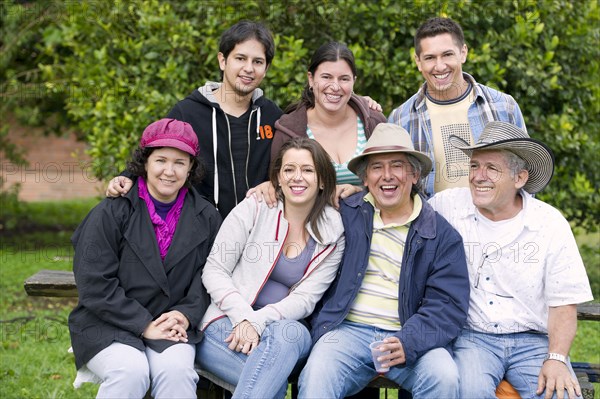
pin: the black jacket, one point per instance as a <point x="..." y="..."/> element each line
<point x="201" y="110"/>
<point x="123" y="284"/>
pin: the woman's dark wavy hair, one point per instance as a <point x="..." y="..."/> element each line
<point x="137" y="163"/>
<point x="325" y="177"/>
<point x="329" y="52"/>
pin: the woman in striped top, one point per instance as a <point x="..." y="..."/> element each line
<point x="330" y="113"/>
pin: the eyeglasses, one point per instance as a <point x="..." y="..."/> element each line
<point x="478" y="275"/>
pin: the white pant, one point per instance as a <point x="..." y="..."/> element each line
<point x="126" y="372"/>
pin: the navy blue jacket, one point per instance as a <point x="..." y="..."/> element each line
<point x="434" y="283"/>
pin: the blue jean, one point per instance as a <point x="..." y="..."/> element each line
<point x="263" y="373"/>
<point x="484" y="359"/>
<point x="340" y="364"/>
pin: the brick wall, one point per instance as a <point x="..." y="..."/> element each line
<point x="58" y="167"/>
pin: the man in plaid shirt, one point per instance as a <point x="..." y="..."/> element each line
<point x="450" y="102"/>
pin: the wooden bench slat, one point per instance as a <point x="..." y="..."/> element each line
<point x="588" y="311"/>
<point x="58" y="283"/>
<point x="382" y="382"/>
<point x="62" y="284"/>
<point x="215" y="380"/>
<point x="591" y="369"/>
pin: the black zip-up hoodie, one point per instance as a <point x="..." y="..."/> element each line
<point x="201" y="110"/>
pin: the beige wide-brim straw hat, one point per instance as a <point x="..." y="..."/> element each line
<point x="387" y="138"/>
<point x="506" y="136"/>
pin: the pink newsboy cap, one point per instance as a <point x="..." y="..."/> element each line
<point x="171" y="133"/>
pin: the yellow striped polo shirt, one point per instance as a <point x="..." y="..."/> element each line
<point x="377" y="301"/>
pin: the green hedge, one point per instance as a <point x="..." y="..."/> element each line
<point x="112" y="68"/>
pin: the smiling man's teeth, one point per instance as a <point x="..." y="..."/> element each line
<point x="388" y="187"/>
<point x="483" y="189"/>
<point x="444" y="76"/>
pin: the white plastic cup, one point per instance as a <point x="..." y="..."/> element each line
<point x="376" y="353"/>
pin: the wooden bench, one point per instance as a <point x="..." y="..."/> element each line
<point x="56" y="283"/>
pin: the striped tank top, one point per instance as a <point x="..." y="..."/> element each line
<point x="342" y="173"/>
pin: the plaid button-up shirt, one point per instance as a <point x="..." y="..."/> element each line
<point x="488" y="105"/>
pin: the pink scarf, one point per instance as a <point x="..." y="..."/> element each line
<point x="164" y="229"/>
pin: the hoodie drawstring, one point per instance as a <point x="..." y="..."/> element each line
<point x="258" y="124"/>
<point x="216" y="174"/>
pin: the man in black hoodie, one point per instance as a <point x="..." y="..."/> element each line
<point x="233" y="120"/>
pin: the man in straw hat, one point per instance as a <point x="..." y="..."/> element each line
<point x="524" y="266"/>
<point x="403" y="280"/>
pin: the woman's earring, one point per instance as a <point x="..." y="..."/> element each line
<point x="310" y="88"/>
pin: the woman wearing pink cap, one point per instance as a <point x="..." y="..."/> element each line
<point x="138" y="263"/>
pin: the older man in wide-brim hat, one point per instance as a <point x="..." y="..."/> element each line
<point x="524" y="265"/>
<point x="403" y="280"/>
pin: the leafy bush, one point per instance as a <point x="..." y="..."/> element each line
<point x="119" y="66"/>
<point x="25" y="94"/>
<point x="11" y="209"/>
<point x="43" y="217"/>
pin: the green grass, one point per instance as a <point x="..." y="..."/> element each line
<point x="35" y="337"/>
<point x="34" y="362"/>
<point x="589" y="247"/>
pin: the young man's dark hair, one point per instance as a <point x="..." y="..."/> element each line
<point x="437" y="26"/>
<point x="246" y="30"/>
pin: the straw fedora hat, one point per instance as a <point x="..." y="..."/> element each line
<point x="506" y="136"/>
<point x="390" y="137"/>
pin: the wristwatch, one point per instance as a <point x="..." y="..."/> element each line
<point x="556" y="356"/>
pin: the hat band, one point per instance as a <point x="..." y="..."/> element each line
<point x="386" y="148"/>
